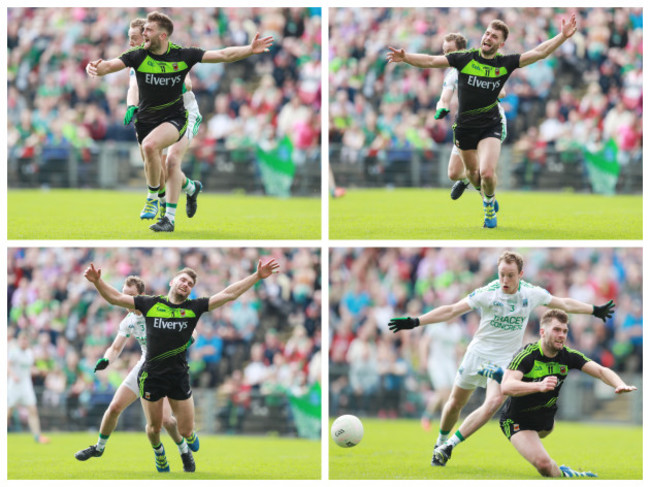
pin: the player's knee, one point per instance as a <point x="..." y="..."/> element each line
<point x="455" y="174"/>
<point x="115" y="409"/>
<point x="185" y="431"/>
<point x="544" y="466"/>
<point x="149" y="147"/>
<point x="153" y="428"/>
<point x="487" y="174"/>
<point x="169" y="423"/>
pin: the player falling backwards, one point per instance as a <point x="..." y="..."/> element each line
<point x="171" y="162"/>
<point x="160" y="67"/>
<point x="455" y="169"/>
<point x="170" y="321"/>
<point x="133" y="325"/>
<point x="505" y="306"/>
<point x="533" y="382"/>
<point x="482" y="74"/>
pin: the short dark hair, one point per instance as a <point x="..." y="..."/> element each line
<point x="163" y="21"/>
<point x="509" y="257"/>
<point x="138" y="24"/>
<point x="554" y="314"/>
<point x="497" y="24"/>
<point x="458" y="39"/>
<point x="189" y="271"/>
<point x="135" y="281"/>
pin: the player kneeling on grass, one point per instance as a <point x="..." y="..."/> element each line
<point x="533" y="381"/>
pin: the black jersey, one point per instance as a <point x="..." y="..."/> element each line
<point x="169" y="329"/>
<point x="161" y="79"/>
<point x="480" y="81"/>
<point x="535" y="366"/>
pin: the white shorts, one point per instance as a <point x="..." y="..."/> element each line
<point x="467" y="376"/>
<point x="194" y="118"/>
<point x="20" y="394"/>
<point x="442" y="374"/>
<point x="131" y="380"/>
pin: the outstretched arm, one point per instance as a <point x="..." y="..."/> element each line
<point x="608" y="376"/>
<point x="567" y="29"/>
<point x="574" y="306"/>
<point x="235" y="290"/>
<point x="417" y="60"/>
<point x="231" y="54"/>
<point x="102" y="68"/>
<point x="437" y="315"/>
<point x="109" y="293"/>
<point x="445" y="99"/>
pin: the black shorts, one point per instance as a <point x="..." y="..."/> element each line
<point x="142" y="129"/>
<point x="511" y="426"/>
<point x="154" y="386"/>
<point x="468" y="138"/>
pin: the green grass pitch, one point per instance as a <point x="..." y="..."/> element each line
<point x="401" y="450"/>
<point x="129" y="456"/>
<point x="418" y="214"/>
<point x="106" y="215"/>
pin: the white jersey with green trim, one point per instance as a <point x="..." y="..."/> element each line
<point x="504" y="318"/>
<point x="133" y="325"/>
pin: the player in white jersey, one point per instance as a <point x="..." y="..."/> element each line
<point x="172" y="177"/>
<point x="439" y="352"/>
<point x="456" y="169"/>
<point x="505" y="306"/>
<point x="20" y="390"/>
<point x="133" y="325"/>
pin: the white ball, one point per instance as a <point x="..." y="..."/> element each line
<point x="347" y="431"/>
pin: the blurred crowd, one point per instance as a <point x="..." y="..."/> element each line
<point x="371" y="369"/>
<point x="587" y="92"/>
<point x="266" y="343"/>
<point x="54" y="107"/>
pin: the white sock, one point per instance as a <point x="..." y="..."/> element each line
<point x="170" y="211"/>
<point x="182" y="446"/>
<point x="189" y="187"/>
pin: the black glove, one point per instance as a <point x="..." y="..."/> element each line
<point x="397" y="324"/>
<point x="101" y="364"/>
<point x="441" y="113"/>
<point x="605" y="311"/>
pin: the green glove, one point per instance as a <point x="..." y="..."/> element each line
<point x="441" y="113"/>
<point x="397" y="324"/>
<point x="101" y="364"/>
<point x="130" y="111"/>
<point x="605" y="311"/>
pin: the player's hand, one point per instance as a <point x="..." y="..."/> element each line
<point x="569" y="28"/>
<point x="261" y="45"/>
<point x="605" y="311"/>
<point x="267" y="268"/>
<point x="91" y="68"/>
<point x="101" y="364"/>
<point x="441" y="113"/>
<point x="130" y="111"/>
<point x="395" y="55"/>
<point x="92" y="274"/>
<point x="548" y="384"/>
<point x="624" y="388"/>
<point x="397" y="324"/>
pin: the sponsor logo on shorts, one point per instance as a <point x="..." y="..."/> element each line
<point x="515" y="427"/>
<point x="147" y="395"/>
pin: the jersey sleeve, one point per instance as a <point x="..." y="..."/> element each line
<point x="576" y="360"/>
<point x="201" y="306"/>
<point x="458" y="59"/>
<point x="479" y="298"/>
<point x="143" y="303"/>
<point x="511" y="62"/>
<point x="539" y="296"/>
<point x="451" y="80"/>
<point x="130" y="57"/>
<point x="193" y="55"/>
<point x="124" y="329"/>
<point x="523" y="360"/>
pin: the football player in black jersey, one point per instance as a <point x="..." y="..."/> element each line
<point x="482" y="74"/>
<point x="533" y="381"/>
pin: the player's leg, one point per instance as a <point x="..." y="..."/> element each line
<point x="153" y="412"/>
<point x="481" y="415"/>
<point x="162" y="194"/>
<point x="170" y="424"/>
<point x="124" y="397"/>
<point x="26" y="397"/>
<point x="184" y="413"/>
<point x="529" y="446"/>
<point x="174" y="182"/>
<point x="152" y="145"/>
<point x="456" y="173"/>
<point x="189" y="187"/>
<point x="489" y="150"/>
<point x="34" y="424"/>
